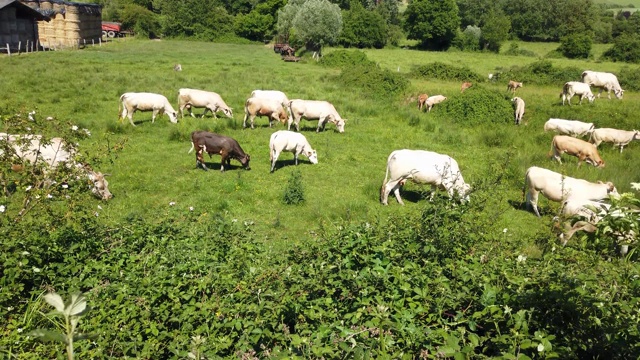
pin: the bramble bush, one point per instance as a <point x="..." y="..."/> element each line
<point x="475" y="106"/>
<point x="442" y="71"/>
<point x="344" y="58"/>
<point x="576" y="46"/>
<point x="626" y="48"/>
<point x="543" y="73"/>
<point x="294" y="191"/>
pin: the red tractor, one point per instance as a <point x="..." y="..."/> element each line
<point x="111" y="29"/>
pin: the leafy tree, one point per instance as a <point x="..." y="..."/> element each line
<point x="363" y="28"/>
<point x="433" y="23"/>
<point x="625" y="48"/>
<point x="254" y="26"/>
<point x="203" y="19"/>
<point x="495" y="31"/>
<point x="531" y="19"/>
<point x="142" y="21"/>
<point x="472" y="12"/>
<point x="623" y="25"/>
<point x="389" y="11"/>
<point x="469" y="39"/>
<point x="576" y="46"/>
<point x="315" y="22"/>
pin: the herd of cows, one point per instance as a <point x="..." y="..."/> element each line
<point x="578" y="196"/>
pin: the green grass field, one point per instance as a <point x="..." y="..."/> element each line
<point x="153" y="168"/>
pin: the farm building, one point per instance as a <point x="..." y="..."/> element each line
<point x="71" y="23"/>
<point x="18" y="25"/>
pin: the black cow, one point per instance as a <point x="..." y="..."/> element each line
<point x="212" y="143"/>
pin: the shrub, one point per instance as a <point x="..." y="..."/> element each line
<point x="514" y="50"/>
<point x="543" y="73"/>
<point x="625" y="48"/>
<point x="372" y="80"/>
<point x="477" y="106"/>
<point x="576" y="46"/>
<point x="294" y="192"/>
<point x="342" y="58"/>
<point x="468" y="40"/>
<point x="629" y="78"/>
<point x="442" y="71"/>
<point x="363" y="28"/>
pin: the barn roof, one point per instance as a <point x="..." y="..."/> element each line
<point x="23" y="9"/>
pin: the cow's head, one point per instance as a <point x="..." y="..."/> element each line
<point x="463" y="192"/>
<point x="611" y="189"/>
<point x="173" y="116"/>
<point x="282" y="115"/>
<point x="340" y="125"/>
<point x="228" y="112"/>
<point x="312" y="155"/>
<point x="591" y="97"/>
<point x="618" y="93"/>
<point x="245" y="161"/>
<point x="100" y="185"/>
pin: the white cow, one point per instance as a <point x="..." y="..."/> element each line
<point x="573" y="128"/>
<point x="192" y="98"/>
<point x="423" y="167"/>
<point x="572" y="88"/>
<point x="275" y="95"/>
<point x="263" y="107"/>
<point x="557" y="187"/>
<point x="293" y="142"/>
<point x="132" y="102"/>
<point x="590" y="210"/>
<point x="518" y="103"/>
<point x="619" y="138"/>
<point x="603" y="81"/>
<point x="52" y="153"/>
<point x="432" y="100"/>
<point x="323" y="111"/>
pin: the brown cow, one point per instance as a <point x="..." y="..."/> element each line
<point x="513" y="85"/>
<point x="422" y="98"/>
<point x="583" y="150"/>
<point x="212" y="143"/>
<point x="465" y="85"/>
<point x="263" y="107"/>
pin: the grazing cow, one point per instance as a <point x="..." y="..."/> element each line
<point x="275" y="95"/>
<point x="572" y="88"/>
<point x="323" y="111"/>
<point x="557" y="187"/>
<point x="519" y="109"/>
<point x="583" y="150"/>
<point x="423" y="167"/>
<point x="603" y="81"/>
<point x="588" y="209"/>
<point x="513" y="85"/>
<point x="465" y="85"/>
<point x="432" y="100"/>
<point x="263" y="107"/>
<point x="52" y="153"/>
<point x="290" y="141"/>
<point x="132" y="102"/>
<point x="619" y="138"/>
<point x="192" y="98"/>
<point x="573" y="128"/>
<point x="212" y="143"/>
<point x="177" y="67"/>
<point x="422" y="99"/>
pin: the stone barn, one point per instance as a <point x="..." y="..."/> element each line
<point x="72" y="23"/>
<point x="18" y="26"/>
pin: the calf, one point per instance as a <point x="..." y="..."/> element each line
<point x="432" y="100"/>
<point x="212" y="143"/>
<point x="513" y="85"/>
<point x="583" y="150"/>
<point x="132" y="102"/>
<point x="465" y="85"/>
<point x="572" y="88"/>
<point x="422" y="99"/>
<point x="290" y="141"/>
<point x="619" y="138"/>
<point x="423" y="167"/>
<point x="557" y="187"/>
<point x="192" y="98"/>
<point x="263" y="107"/>
<point x="518" y="103"/>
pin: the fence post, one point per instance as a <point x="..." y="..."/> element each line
<point x="19" y="46"/>
<point x="27" y="48"/>
<point x="8" y="49"/>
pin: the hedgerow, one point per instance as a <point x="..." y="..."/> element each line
<point x="442" y="71"/>
<point x="475" y="106"/>
<point x="543" y="73"/>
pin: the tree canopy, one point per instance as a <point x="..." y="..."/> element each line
<point x="434" y="23"/>
<point x="314" y="22"/>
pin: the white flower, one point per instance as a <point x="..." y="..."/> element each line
<point x="19" y="330"/>
<point x="521" y="258"/>
<point x="504" y="230"/>
<point x="28" y="188"/>
<point x="99" y="207"/>
<point x="65" y="186"/>
<point x="74" y="128"/>
<point x="234" y="220"/>
<point x="190" y="208"/>
<point x="507" y="309"/>
<point x="25" y="253"/>
<point x="36" y="270"/>
<point x="172" y="203"/>
<point x="96" y="214"/>
<point x="540" y="347"/>
<point x="49" y="118"/>
<point x="86" y="131"/>
<point x="9" y="308"/>
<point x="28" y="128"/>
<point x="2" y="208"/>
<point x="635" y="186"/>
<point x="49" y="196"/>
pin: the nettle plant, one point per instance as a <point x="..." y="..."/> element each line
<point x="620" y="225"/>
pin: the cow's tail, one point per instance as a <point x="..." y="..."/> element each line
<point x="384" y="182"/>
<point x="120" y="106"/>
<point x="524" y="186"/>
<point x="192" y="147"/>
<point x="553" y="147"/>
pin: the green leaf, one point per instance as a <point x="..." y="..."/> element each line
<point x="48" y="335"/>
<point x="55" y="300"/>
<point x="78" y="305"/>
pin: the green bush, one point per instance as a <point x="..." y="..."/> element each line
<point x="543" y="73"/>
<point x="442" y="71"/>
<point x="294" y="192"/>
<point x="629" y="78"/>
<point x="477" y="106"/>
<point x="372" y="80"/>
<point x="468" y="40"/>
<point x="576" y="46"/>
<point x="343" y="58"/>
<point x="626" y="48"/>
<point x="514" y="50"/>
<point x="363" y="28"/>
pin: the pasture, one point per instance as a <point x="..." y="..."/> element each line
<point x="180" y="252"/>
<point x="153" y="169"/>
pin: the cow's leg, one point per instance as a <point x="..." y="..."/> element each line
<point x="396" y="192"/>
<point x="251" y="119"/>
<point x="224" y="159"/>
<point x="386" y="189"/>
<point x="274" y="154"/>
<point x="205" y="113"/>
<point x="200" y="159"/>
<point x="244" y="121"/>
<point x="153" y="116"/>
<point x="295" y="156"/>
<point x="130" y="116"/>
<point x="532" y="201"/>
<point x="621" y="146"/>
<point x="297" y="123"/>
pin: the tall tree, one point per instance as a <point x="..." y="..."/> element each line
<point x="495" y="30"/>
<point x="434" y="23"/>
<point x="363" y="28"/>
<point x="315" y="22"/>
